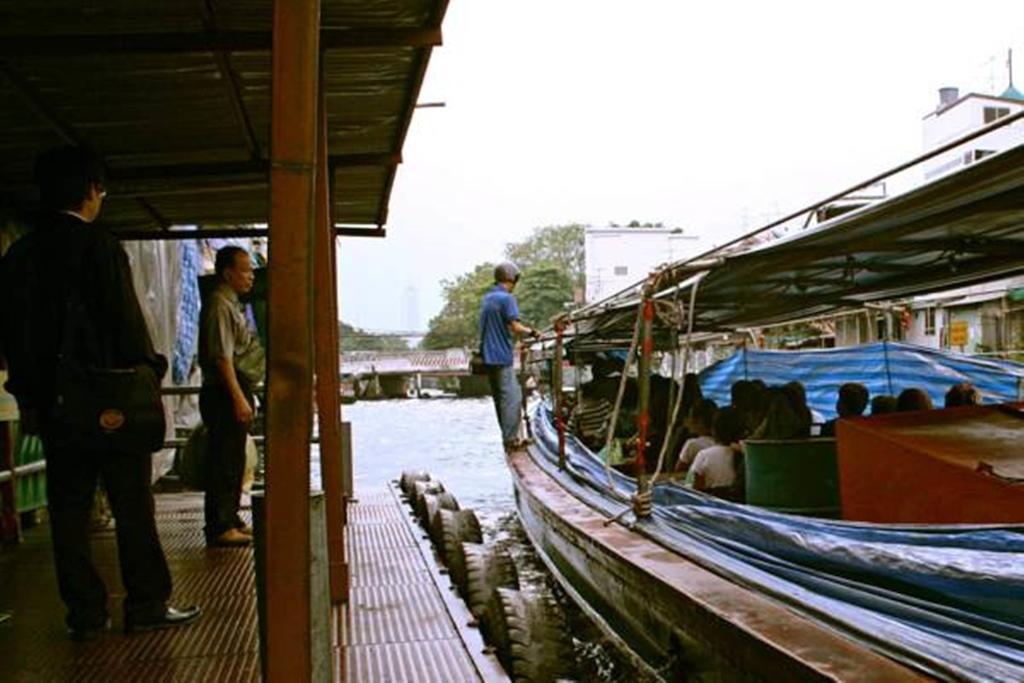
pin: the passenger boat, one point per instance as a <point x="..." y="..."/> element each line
<point x="923" y="577"/>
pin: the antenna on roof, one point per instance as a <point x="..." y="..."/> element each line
<point x="1011" y="93"/>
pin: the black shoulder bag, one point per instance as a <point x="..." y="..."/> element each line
<point x="102" y="409"/>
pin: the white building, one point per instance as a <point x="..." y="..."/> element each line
<point x="957" y="116"/>
<point x="615" y="258"/>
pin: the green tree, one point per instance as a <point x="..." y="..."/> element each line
<point x="557" y="245"/>
<point x="456" y="324"/>
<point x="543" y="292"/>
<point x="355" y="339"/>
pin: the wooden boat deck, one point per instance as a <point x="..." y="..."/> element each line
<point x="401" y="623"/>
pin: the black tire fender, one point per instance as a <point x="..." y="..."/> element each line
<point x="530" y="635"/>
<point x="410" y="477"/>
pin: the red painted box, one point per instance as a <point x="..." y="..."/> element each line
<point x="958" y="465"/>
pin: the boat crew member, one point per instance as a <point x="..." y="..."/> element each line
<point x="233" y="363"/>
<point x="67" y="256"/>
<point x="499" y="323"/>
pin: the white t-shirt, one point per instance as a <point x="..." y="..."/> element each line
<point x="691" y="448"/>
<point x="716" y="466"/>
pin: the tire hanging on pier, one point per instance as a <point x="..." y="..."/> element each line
<point x="408" y="479"/>
<point x="453" y="528"/>
<point x="487" y="569"/>
<point x="432" y="504"/>
<point x="421" y="488"/>
<point x="530" y="635"/>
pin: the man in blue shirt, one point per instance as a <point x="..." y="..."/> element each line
<point x="499" y="322"/>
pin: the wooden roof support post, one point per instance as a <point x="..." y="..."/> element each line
<point x="328" y="370"/>
<point x="290" y="383"/>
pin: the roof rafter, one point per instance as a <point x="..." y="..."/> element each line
<point x="62" y="128"/>
<point x="234" y="89"/>
<point x="209" y="41"/>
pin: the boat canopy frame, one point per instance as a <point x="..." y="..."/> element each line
<point x="961" y="229"/>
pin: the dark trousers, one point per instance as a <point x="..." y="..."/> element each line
<point x="71" y="478"/>
<point x="225" y="457"/>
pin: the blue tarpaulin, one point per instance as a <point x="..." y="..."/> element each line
<point x="884" y="368"/>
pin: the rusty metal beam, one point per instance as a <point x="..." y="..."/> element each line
<point x="157" y="217"/>
<point x="234" y="89"/>
<point x="222" y="233"/>
<point x="208" y="41"/>
<point x="328" y="371"/>
<point x="65" y="130"/>
<point x="295" y="57"/>
<point x="9" y="528"/>
<point x="38" y="105"/>
<point x="222" y="169"/>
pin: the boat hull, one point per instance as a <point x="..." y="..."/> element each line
<point x="674" y="615"/>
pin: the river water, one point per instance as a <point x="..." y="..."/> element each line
<point x="457" y="441"/>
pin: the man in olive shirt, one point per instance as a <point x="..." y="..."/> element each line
<point x="233" y="363"/>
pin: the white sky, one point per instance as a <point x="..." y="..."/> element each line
<point x="714" y="117"/>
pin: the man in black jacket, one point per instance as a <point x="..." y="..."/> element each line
<point x="65" y="254"/>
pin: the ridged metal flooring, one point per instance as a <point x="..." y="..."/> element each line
<point x="221" y="646"/>
<point x="399" y="625"/>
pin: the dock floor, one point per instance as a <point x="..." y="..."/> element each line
<point x="402" y="622"/>
<point x="221" y="646"/>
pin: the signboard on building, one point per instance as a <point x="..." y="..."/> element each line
<point x="958" y="333"/>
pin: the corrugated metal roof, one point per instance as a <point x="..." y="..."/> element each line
<point x="176" y="96"/>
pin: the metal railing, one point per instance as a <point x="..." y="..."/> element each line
<point x="22" y="471"/>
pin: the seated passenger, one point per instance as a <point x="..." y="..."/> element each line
<point x="784" y="420"/>
<point x="718" y="470"/>
<point x="681" y="429"/>
<point x="853" y="399"/>
<point x="880" y="405"/>
<point x="700" y="423"/>
<point x="751" y="399"/>
<point x="590" y="418"/>
<point x="963" y="394"/>
<point x="913" y="399"/>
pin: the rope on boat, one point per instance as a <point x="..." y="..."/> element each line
<point x="679" y="399"/>
<point x="618" y="400"/>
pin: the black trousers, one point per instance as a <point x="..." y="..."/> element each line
<point x="71" y="478"/>
<point x="225" y="457"/>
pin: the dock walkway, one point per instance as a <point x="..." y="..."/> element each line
<point x="402" y="623"/>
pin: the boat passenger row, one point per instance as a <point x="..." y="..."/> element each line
<point x="708" y="441"/>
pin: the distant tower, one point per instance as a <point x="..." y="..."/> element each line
<point x="410" y="308"/>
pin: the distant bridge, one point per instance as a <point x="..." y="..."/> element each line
<point x="448" y="363"/>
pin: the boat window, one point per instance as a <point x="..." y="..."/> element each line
<point x="622" y="270"/>
<point x="929" y="320"/>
